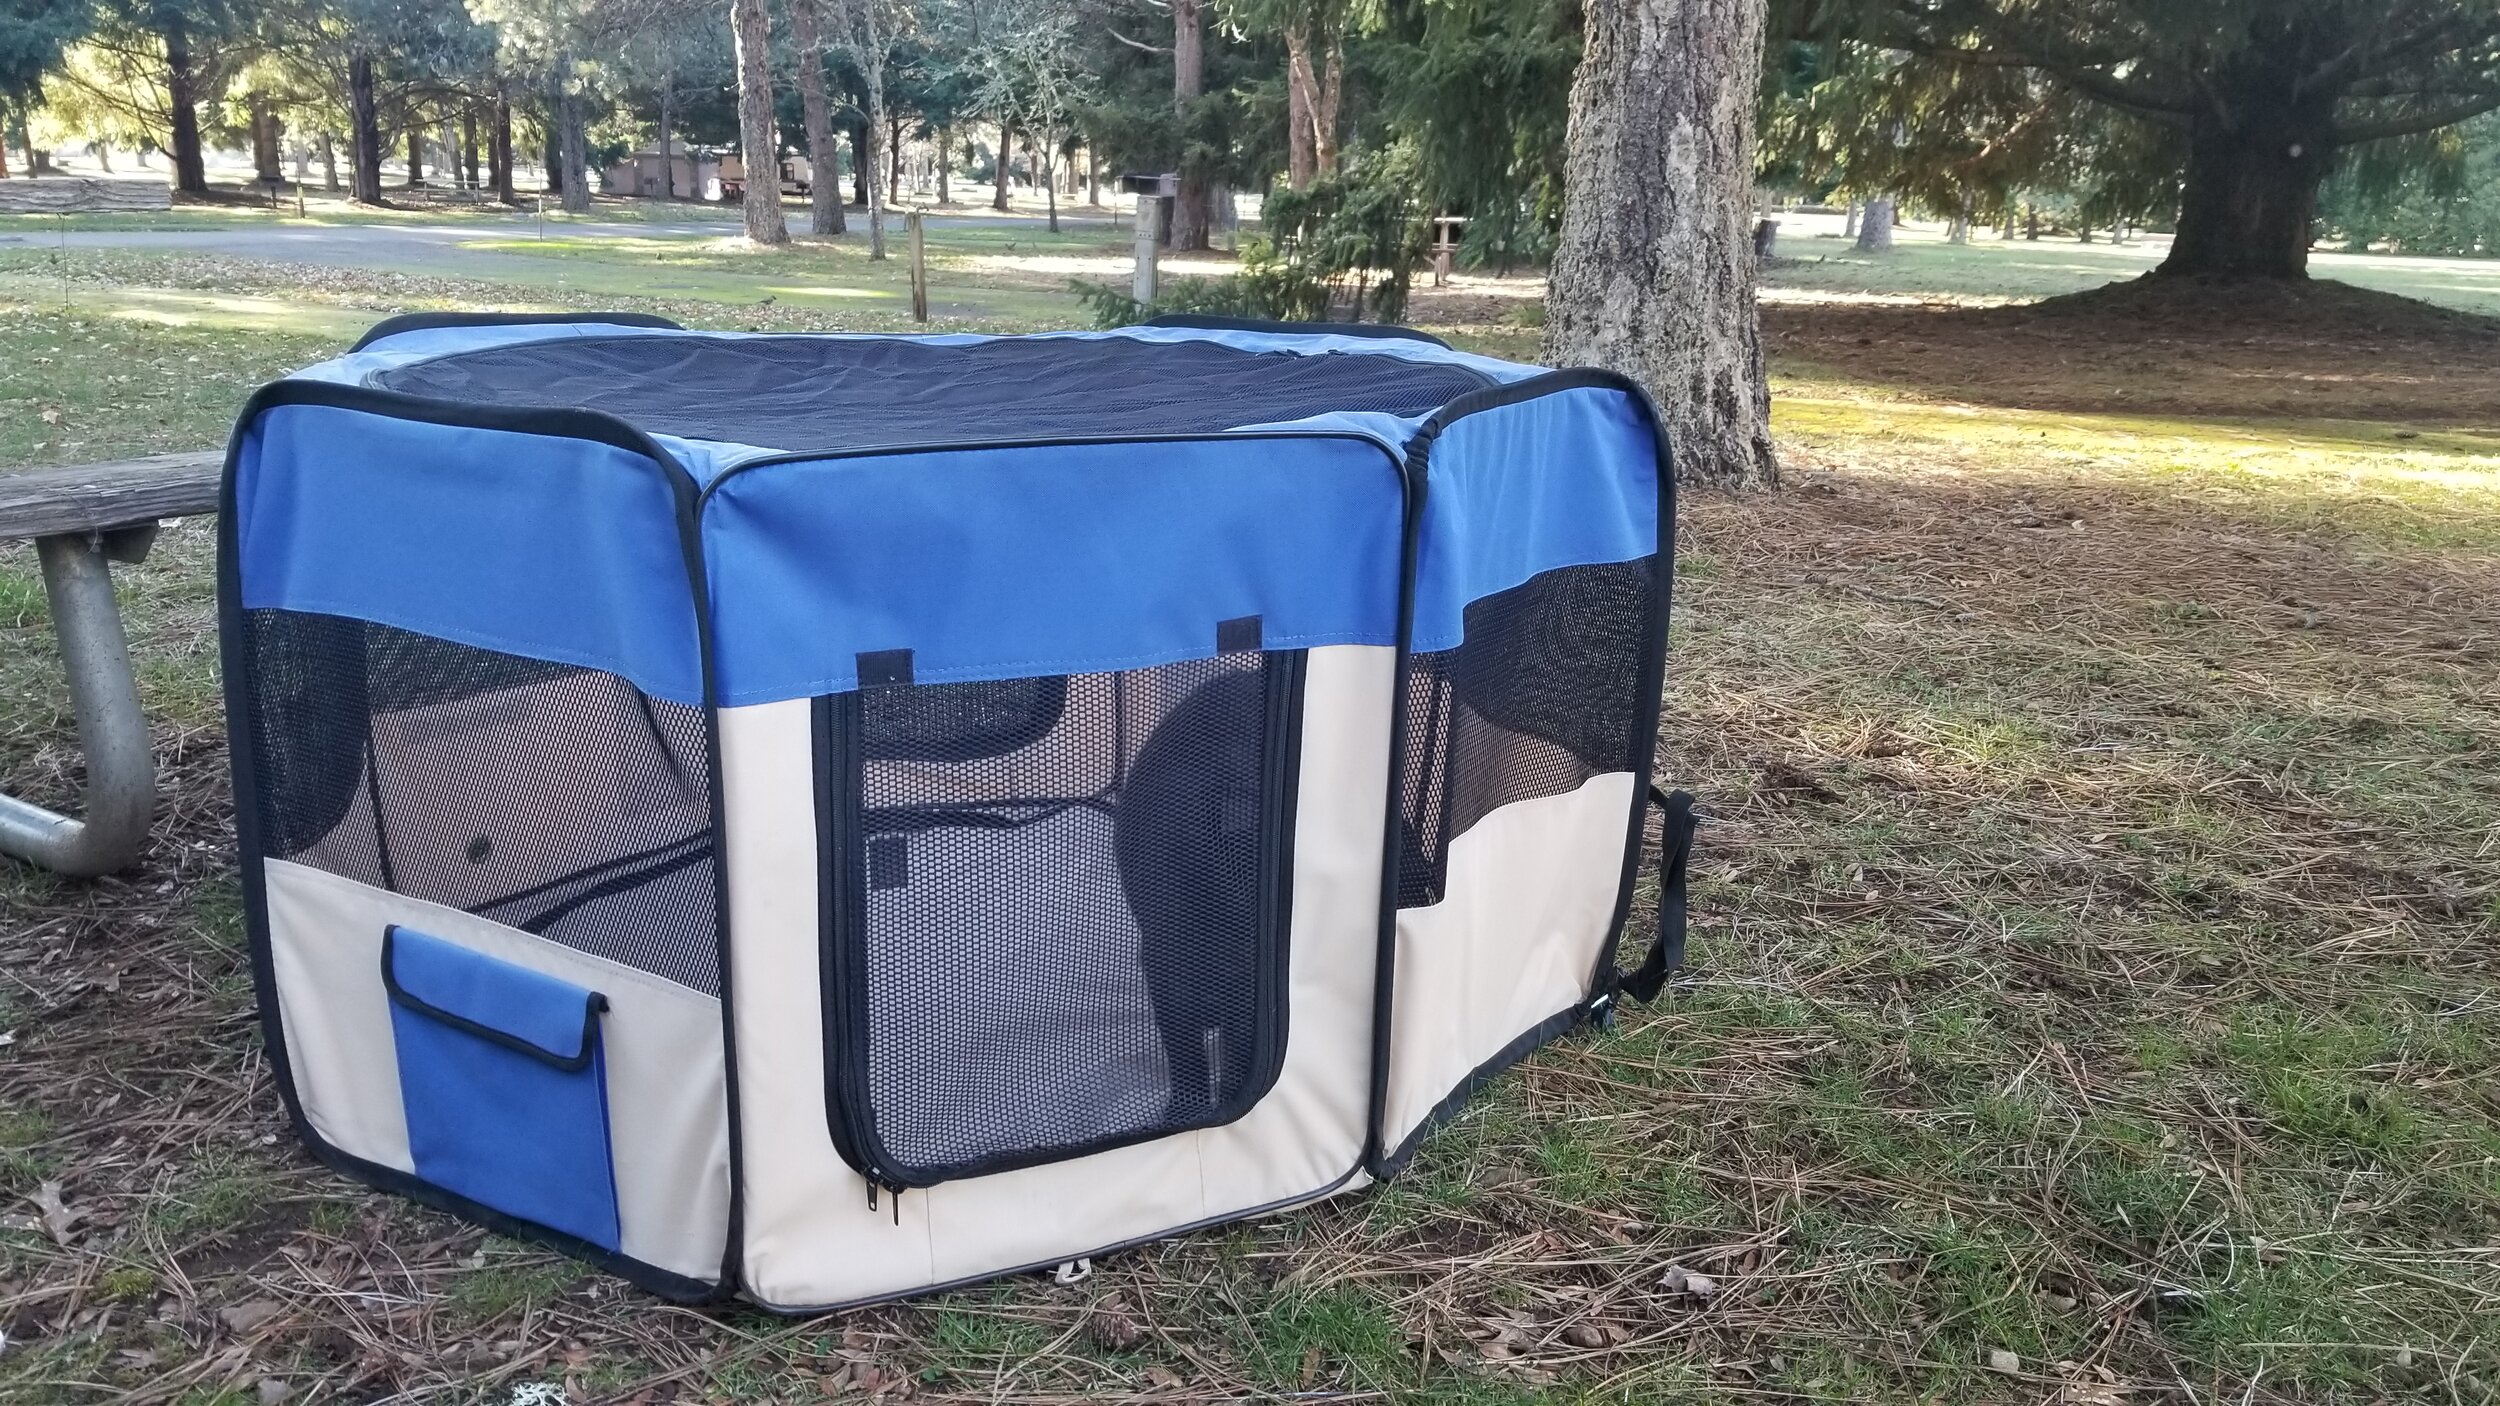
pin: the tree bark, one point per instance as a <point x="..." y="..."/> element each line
<point x="576" y="145"/>
<point x="872" y="71"/>
<point x="499" y="149"/>
<point x="183" y="100"/>
<point x="668" y="158"/>
<point x="1300" y="163"/>
<point x="1875" y="229"/>
<point x="1189" y="78"/>
<point x="945" y="159"/>
<point x="551" y="154"/>
<point x="416" y="154"/>
<point x="1324" y="102"/>
<point x="364" y="144"/>
<point x="1653" y="275"/>
<point x="857" y="132"/>
<point x="1006" y="161"/>
<point x="2249" y="208"/>
<point x="329" y="163"/>
<point x="468" y="147"/>
<point x="751" y="26"/>
<point x="824" y="162"/>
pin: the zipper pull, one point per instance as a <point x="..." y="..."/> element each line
<point x="872" y="1192"/>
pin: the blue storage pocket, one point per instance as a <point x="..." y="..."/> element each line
<point x="505" y="1085"/>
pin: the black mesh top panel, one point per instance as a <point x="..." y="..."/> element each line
<point x="827" y="393"/>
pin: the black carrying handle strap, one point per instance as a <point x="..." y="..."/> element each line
<point x="1675" y="852"/>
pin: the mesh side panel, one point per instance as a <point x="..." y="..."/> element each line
<point x="554" y="799"/>
<point x="1070" y="943"/>
<point x="806" y="393"/>
<point x="1542" y="694"/>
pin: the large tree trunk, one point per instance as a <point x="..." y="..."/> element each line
<point x="499" y="149"/>
<point x="1300" y="163"/>
<point x="1324" y="101"/>
<point x="668" y="161"/>
<point x="364" y="143"/>
<point x="857" y="133"/>
<point x="945" y="159"/>
<point x="329" y="163"/>
<point x="265" y="154"/>
<point x="416" y="154"/>
<point x="871" y="56"/>
<point x="2251" y="200"/>
<point x="575" y="146"/>
<point x="551" y="151"/>
<point x="824" y="185"/>
<point x="1006" y="160"/>
<point x="1875" y="231"/>
<point x="1654" y="272"/>
<point x="183" y="100"/>
<point x="752" y="28"/>
<point x="468" y="147"/>
<point x="1189" y="78"/>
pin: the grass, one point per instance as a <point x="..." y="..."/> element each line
<point x="2094" y="951"/>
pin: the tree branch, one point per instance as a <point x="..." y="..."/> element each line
<point x="2355" y="133"/>
<point x="1138" y="44"/>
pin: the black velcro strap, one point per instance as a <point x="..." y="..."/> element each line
<point x="1242" y="632"/>
<point x="884" y="668"/>
<point x="1676" y="823"/>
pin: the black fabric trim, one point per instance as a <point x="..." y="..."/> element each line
<point x="592" y="1004"/>
<point x="814" y="456"/>
<point x="426" y="321"/>
<point x="1212" y="322"/>
<point x="1676" y="828"/>
<point x="1528" y="1042"/>
<point x="846" y="869"/>
<point x="235" y="664"/>
<point x="880" y="668"/>
<point x="1418" y="467"/>
<point x="1242" y="633"/>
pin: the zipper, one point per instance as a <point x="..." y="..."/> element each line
<point x="846" y="1081"/>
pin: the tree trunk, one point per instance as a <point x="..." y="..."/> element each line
<point x="858" y="134"/>
<point x="575" y="143"/>
<point x="468" y="147"/>
<point x="871" y="58"/>
<point x="751" y="26"/>
<point x="1324" y="102"/>
<point x="1189" y="77"/>
<point x="183" y="102"/>
<point x="2250" y="203"/>
<point x="329" y="163"/>
<point x="416" y="154"/>
<point x="824" y="162"/>
<point x="668" y="157"/>
<point x="551" y="151"/>
<point x="1006" y="160"/>
<point x="2031" y="223"/>
<point x="1875" y="230"/>
<point x="364" y="142"/>
<point x="1849" y="222"/>
<point x="1300" y="164"/>
<point x="1653" y="274"/>
<point x="499" y="149"/>
<point x="265" y="155"/>
<point x="945" y="159"/>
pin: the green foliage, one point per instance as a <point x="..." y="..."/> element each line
<point x="2434" y="194"/>
<point x="1345" y="249"/>
<point x="1481" y="90"/>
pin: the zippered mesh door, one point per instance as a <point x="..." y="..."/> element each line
<point x="1541" y="694"/>
<point x="1056" y="916"/>
<point x="558" y="800"/>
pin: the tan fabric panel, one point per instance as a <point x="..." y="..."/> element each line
<point x="811" y="1239"/>
<point x="667" y="1121"/>
<point x="1531" y="890"/>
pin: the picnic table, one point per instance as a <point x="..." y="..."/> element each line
<point x="83" y="519"/>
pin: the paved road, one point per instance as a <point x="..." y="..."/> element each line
<point x="442" y="247"/>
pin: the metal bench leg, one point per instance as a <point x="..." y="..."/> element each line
<point x="121" y="768"/>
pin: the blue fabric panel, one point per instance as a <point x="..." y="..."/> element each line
<point x="1012" y="562"/>
<point x="1567" y="479"/>
<point x="495" y="1124"/>
<point x="554" y="548"/>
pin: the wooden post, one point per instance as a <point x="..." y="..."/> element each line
<point x="919" y="267"/>
<point x="1149" y="220"/>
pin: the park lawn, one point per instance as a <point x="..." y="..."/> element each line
<point x="2093" y="963"/>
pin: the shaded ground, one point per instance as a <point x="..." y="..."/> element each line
<point x="2097" y="955"/>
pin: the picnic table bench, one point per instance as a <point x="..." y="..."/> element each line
<point x="82" y="519"/>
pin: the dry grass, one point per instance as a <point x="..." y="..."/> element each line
<point x="2095" y="963"/>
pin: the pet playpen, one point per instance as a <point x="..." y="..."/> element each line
<point x="825" y="817"/>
